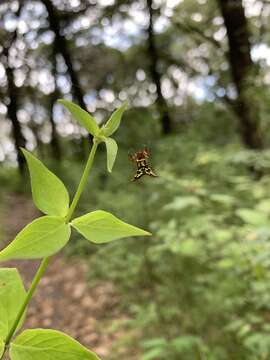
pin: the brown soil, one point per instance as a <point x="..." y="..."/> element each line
<point x="63" y="301"/>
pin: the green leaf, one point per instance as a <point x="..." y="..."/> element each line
<point x="222" y="199"/>
<point x="185" y="343"/>
<point x="111" y="146"/>
<point x="154" y="354"/>
<point x="183" y="202"/>
<point x="114" y="121"/>
<point x="43" y="237"/>
<point x="46" y="344"/>
<point x="49" y="193"/>
<point x="253" y="217"/>
<point x="12" y="295"/>
<point x="2" y="348"/>
<point x="102" y="227"/>
<point x="83" y="117"/>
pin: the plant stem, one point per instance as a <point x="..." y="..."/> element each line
<point x="42" y="267"/>
<point x="83" y="181"/>
<point x="4" y="354"/>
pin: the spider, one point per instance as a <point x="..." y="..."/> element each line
<point x="141" y="160"/>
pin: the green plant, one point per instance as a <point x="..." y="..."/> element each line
<point x="45" y="236"/>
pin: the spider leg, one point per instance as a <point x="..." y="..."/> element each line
<point x="139" y="173"/>
<point x="150" y="172"/>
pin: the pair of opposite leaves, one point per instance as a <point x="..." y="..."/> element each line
<point x="48" y="234"/>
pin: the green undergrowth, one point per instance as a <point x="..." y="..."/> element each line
<point x="199" y="288"/>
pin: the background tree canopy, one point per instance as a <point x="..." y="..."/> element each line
<point x="196" y="74"/>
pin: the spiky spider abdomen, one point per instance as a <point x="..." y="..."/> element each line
<point x="140" y="159"/>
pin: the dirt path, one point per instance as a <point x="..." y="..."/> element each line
<point x="63" y="301"/>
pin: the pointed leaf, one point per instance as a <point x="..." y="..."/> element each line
<point x="111" y="146"/>
<point x="253" y="217"/>
<point x="49" y="193"/>
<point x="12" y="295"/>
<point x="102" y="227"/>
<point x="43" y="237"/>
<point x="46" y="344"/>
<point x="114" y="121"/>
<point x="83" y="117"/>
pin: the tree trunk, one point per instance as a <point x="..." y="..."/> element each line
<point x="60" y="44"/>
<point x="242" y="70"/>
<point x="55" y="145"/>
<point x="12" y="109"/>
<point x="163" y="109"/>
<point x="35" y="130"/>
<point x="62" y="48"/>
<point x="12" y="94"/>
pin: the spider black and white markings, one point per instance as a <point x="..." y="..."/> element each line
<point x="141" y="160"/>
